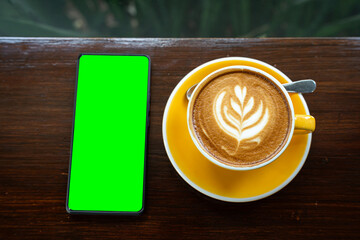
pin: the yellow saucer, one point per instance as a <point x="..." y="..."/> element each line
<point x="210" y="179"/>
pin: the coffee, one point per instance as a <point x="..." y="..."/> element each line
<point x="241" y="118"/>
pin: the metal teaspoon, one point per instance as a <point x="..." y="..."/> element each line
<point x="301" y="86"/>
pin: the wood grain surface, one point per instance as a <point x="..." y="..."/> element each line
<point x="37" y="78"/>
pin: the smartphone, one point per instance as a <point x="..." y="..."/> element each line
<point x="109" y="136"/>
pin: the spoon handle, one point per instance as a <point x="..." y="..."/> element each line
<point x="301" y="86"/>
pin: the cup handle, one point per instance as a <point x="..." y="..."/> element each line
<point x="304" y="124"/>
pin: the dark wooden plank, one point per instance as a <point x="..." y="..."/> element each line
<point x="37" y="78"/>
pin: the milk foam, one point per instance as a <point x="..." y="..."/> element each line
<point x="241" y="118"/>
<point x="243" y="126"/>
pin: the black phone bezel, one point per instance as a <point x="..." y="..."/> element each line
<point x="91" y="212"/>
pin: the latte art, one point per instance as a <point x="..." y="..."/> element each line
<point x="241" y="118"/>
<point x="241" y="125"/>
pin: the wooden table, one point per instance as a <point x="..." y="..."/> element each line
<point x="37" y="77"/>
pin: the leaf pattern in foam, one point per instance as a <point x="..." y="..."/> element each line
<point x="242" y="125"/>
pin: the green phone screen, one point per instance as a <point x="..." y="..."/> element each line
<point x="109" y="134"/>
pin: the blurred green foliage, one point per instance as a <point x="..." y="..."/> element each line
<point x="180" y="18"/>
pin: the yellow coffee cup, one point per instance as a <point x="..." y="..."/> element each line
<point x="299" y="123"/>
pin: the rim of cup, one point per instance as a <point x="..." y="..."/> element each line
<point x="223" y="71"/>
